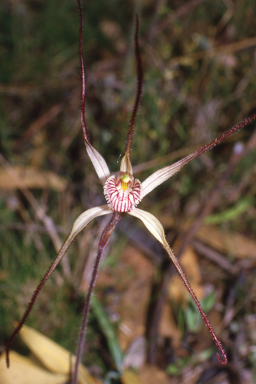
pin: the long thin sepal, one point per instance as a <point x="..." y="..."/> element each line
<point x="106" y="234"/>
<point x="98" y="162"/>
<point x="165" y="173"/>
<point x="139" y="89"/>
<point x="80" y="223"/>
<point x="83" y="120"/>
<point x="157" y="230"/>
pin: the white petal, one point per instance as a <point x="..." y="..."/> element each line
<point x="165" y="173"/>
<point x="151" y="222"/>
<point x="162" y="175"/>
<point x="98" y="162"/>
<point x="157" y="230"/>
<point x="155" y="227"/>
<point x="80" y="223"/>
<point x="85" y="218"/>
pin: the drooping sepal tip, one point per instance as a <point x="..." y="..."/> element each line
<point x="156" y="229"/>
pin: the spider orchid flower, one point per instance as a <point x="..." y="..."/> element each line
<point x="123" y="193"/>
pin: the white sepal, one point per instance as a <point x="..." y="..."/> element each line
<point x="126" y="165"/>
<point x="98" y="162"/>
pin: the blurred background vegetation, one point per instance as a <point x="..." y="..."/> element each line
<point x="199" y="80"/>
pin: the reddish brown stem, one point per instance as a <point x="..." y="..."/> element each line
<point x="106" y="234"/>
<point x="222" y="359"/>
<point x="83" y="120"/>
<point x="139" y="89"/>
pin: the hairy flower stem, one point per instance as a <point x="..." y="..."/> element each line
<point x="222" y="358"/>
<point x="83" y="121"/>
<point x="106" y="234"/>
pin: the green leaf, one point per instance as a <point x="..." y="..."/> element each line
<point x="109" y="332"/>
<point x="230" y="214"/>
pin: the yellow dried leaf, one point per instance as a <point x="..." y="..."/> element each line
<point x="151" y="374"/>
<point x="227" y="242"/>
<point x="177" y="289"/>
<point x="53" y="356"/>
<point x="222" y="240"/>
<point x="130" y="377"/>
<point x="136" y="289"/>
<point x="168" y="326"/>
<point x="29" y="177"/>
<point x="23" y="371"/>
